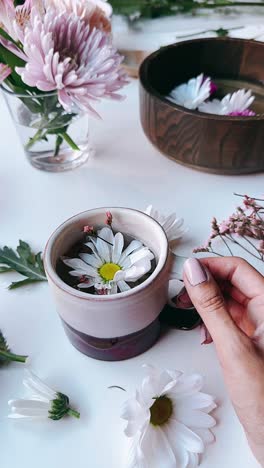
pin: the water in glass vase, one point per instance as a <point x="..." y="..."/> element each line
<point x="53" y="140"/>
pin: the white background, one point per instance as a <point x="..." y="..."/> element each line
<point x="125" y="171"/>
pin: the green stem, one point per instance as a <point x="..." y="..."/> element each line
<point x="253" y="246"/>
<point x="38" y="136"/>
<point x="226" y="244"/>
<point x="72" y="412"/>
<point x="243" y="247"/>
<point x="226" y="4"/>
<point x="243" y="196"/>
<point x="12" y="357"/>
<point x="68" y="140"/>
<point x="206" y="31"/>
<point x="216" y="253"/>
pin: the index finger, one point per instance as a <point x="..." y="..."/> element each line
<point x="239" y="272"/>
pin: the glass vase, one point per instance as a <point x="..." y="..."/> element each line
<point x="53" y="140"/>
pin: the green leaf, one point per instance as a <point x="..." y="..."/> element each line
<point x="10" y="59"/>
<point x="5" y="269"/>
<point x="70" y="142"/>
<point x="6" y="36"/>
<point x="19" y="284"/>
<point x="6" y="356"/>
<point x="25" y="262"/>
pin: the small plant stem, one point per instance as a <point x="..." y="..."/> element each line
<point x="104" y="240"/>
<point x="12" y="357"/>
<point x="75" y="414"/>
<point x="243" y="247"/>
<point x="243" y="196"/>
<point x="38" y="136"/>
<point x="216" y="253"/>
<point x="252" y="245"/>
<point x="226" y="4"/>
<point x="205" y="31"/>
<point x="226" y="244"/>
<point x="117" y="386"/>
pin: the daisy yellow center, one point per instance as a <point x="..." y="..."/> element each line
<point x="161" y="411"/>
<point x="108" y="271"/>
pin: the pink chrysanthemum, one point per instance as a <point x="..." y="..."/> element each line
<point x="95" y="13"/>
<point x="65" y="54"/>
<point x="5" y="71"/>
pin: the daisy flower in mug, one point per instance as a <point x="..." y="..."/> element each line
<point x="171" y="224"/>
<point x="235" y="104"/>
<point x="44" y="402"/>
<point x="109" y="267"/>
<point x="192" y="93"/>
<point x="168" y="420"/>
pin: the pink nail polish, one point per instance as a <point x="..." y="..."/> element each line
<point x="194" y="271"/>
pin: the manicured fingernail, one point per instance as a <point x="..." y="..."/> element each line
<point x="195" y="271"/>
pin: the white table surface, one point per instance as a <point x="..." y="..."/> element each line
<point x="126" y="171"/>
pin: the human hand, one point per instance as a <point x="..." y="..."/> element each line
<point x="228" y="293"/>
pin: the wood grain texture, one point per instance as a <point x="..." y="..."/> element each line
<point x="219" y="144"/>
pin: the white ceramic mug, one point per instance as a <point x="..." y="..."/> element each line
<point x="116" y="326"/>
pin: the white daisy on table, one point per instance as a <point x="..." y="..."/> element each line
<point x="109" y="267"/>
<point x="235" y="104"/>
<point x="44" y="402"/>
<point x="171" y="224"/>
<point x="168" y="420"/>
<point x="192" y="93"/>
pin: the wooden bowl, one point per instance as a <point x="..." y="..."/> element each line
<point x="212" y="143"/>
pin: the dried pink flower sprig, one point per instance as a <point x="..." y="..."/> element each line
<point x="246" y="223"/>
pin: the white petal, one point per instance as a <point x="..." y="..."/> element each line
<point x="180" y="452"/>
<point x="131" y="409"/>
<point x="190" y="440"/>
<point x="194" y="418"/>
<point x="93" y="248"/>
<point x="80" y="265"/>
<point x="22" y="416"/>
<point x="134" y="245"/>
<point x="170" y="221"/>
<point x="103" y="248"/>
<point x="134" y="460"/>
<point x="30" y="412"/>
<point x="123" y="286"/>
<point x="193" y="460"/>
<point x="118" y="247"/>
<point x="91" y="260"/>
<point x="205" y="434"/>
<point x="134" y="273"/>
<point x="132" y="428"/>
<point x="29" y="404"/>
<point x="154" y="387"/>
<point x="148" y="210"/>
<point x="197" y="401"/>
<point x="156" y="449"/>
<point x="140" y="254"/>
<point x="187" y="385"/>
<point x="37" y="386"/>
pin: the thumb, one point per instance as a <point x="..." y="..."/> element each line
<point x="208" y="300"/>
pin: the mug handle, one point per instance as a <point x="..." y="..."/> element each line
<point x="176" y="273"/>
<point x="177" y="266"/>
<point x="183" y="319"/>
